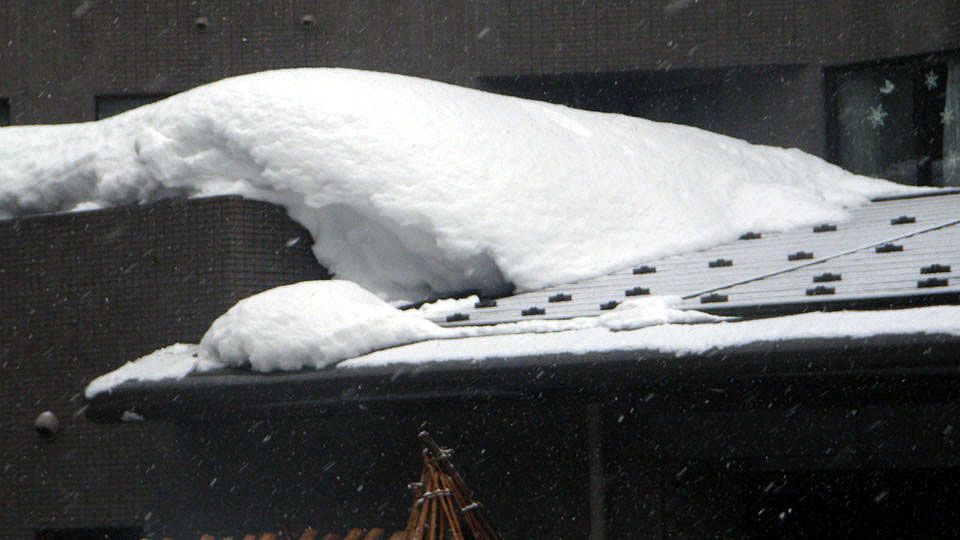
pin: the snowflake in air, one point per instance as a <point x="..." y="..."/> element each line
<point x="877" y="116"/>
<point x="947" y="117"/>
<point x="952" y="160"/>
<point x="887" y="87"/>
<point x="931" y="81"/>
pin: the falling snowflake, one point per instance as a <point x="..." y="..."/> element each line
<point x="947" y="117"/>
<point x="887" y="87"/>
<point x="932" y="80"/>
<point x="877" y="116"/>
<point x="952" y="160"/>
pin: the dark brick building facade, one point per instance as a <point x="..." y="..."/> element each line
<point x="758" y="67"/>
<point x="72" y="293"/>
<point x="765" y="70"/>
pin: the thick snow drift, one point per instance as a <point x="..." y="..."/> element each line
<point x="310" y="324"/>
<point x="413" y="188"/>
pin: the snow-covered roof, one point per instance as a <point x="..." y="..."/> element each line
<point x="413" y="188"/>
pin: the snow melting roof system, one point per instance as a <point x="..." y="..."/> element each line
<point x="895" y="251"/>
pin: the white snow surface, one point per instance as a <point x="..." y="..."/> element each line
<point x="678" y="339"/>
<point x="413" y="188"/>
<point x="311" y="324"/>
<point x="651" y="311"/>
<point x="316" y="324"/>
<point x="173" y="362"/>
<point x="579" y="336"/>
<point x="447" y="306"/>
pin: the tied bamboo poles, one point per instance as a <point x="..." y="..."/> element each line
<point x="444" y="508"/>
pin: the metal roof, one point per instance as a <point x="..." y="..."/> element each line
<point x="902" y="250"/>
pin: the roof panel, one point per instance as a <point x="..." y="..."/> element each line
<point x="881" y="251"/>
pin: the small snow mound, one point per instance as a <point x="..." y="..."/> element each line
<point x="447" y="306"/>
<point x="652" y="311"/>
<point x="310" y="324"/>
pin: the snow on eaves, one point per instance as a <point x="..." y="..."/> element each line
<point x="677" y="339"/>
<point x="580" y="337"/>
<point x="412" y="188"/>
<point x="317" y="324"/>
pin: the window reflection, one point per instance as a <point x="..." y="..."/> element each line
<point x="899" y="120"/>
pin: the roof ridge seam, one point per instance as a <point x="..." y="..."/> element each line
<point x="934" y="193"/>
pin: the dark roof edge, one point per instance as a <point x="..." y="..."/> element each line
<point x="234" y="392"/>
<point x="932" y="192"/>
<point x="903" y="301"/>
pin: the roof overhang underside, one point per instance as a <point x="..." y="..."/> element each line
<point x="835" y="371"/>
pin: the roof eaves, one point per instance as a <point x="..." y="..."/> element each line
<point x="237" y="392"/>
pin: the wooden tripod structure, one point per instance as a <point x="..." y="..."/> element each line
<point x="443" y="506"/>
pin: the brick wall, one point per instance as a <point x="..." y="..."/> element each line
<point x="82" y="293"/>
<point x="56" y="56"/>
<point x="54" y="59"/>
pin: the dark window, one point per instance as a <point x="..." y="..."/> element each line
<point x="681" y="96"/>
<point x="842" y="504"/>
<point x="4" y="112"/>
<point x="123" y="533"/>
<point x="108" y="106"/>
<point x="898" y="120"/>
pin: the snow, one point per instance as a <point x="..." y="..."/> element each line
<point x="311" y="324"/>
<point x="316" y="324"/>
<point x="173" y="362"/>
<point x="677" y="339"/>
<point x="652" y="311"/>
<point x="327" y="323"/>
<point x="131" y="416"/>
<point x="447" y="306"/>
<point x="413" y="188"/>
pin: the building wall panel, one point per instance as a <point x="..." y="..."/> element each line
<point x="82" y="293"/>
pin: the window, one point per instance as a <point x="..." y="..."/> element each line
<point x="108" y="106"/>
<point x="898" y="120"/>
<point x="4" y="112"/>
<point x="684" y="97"/>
